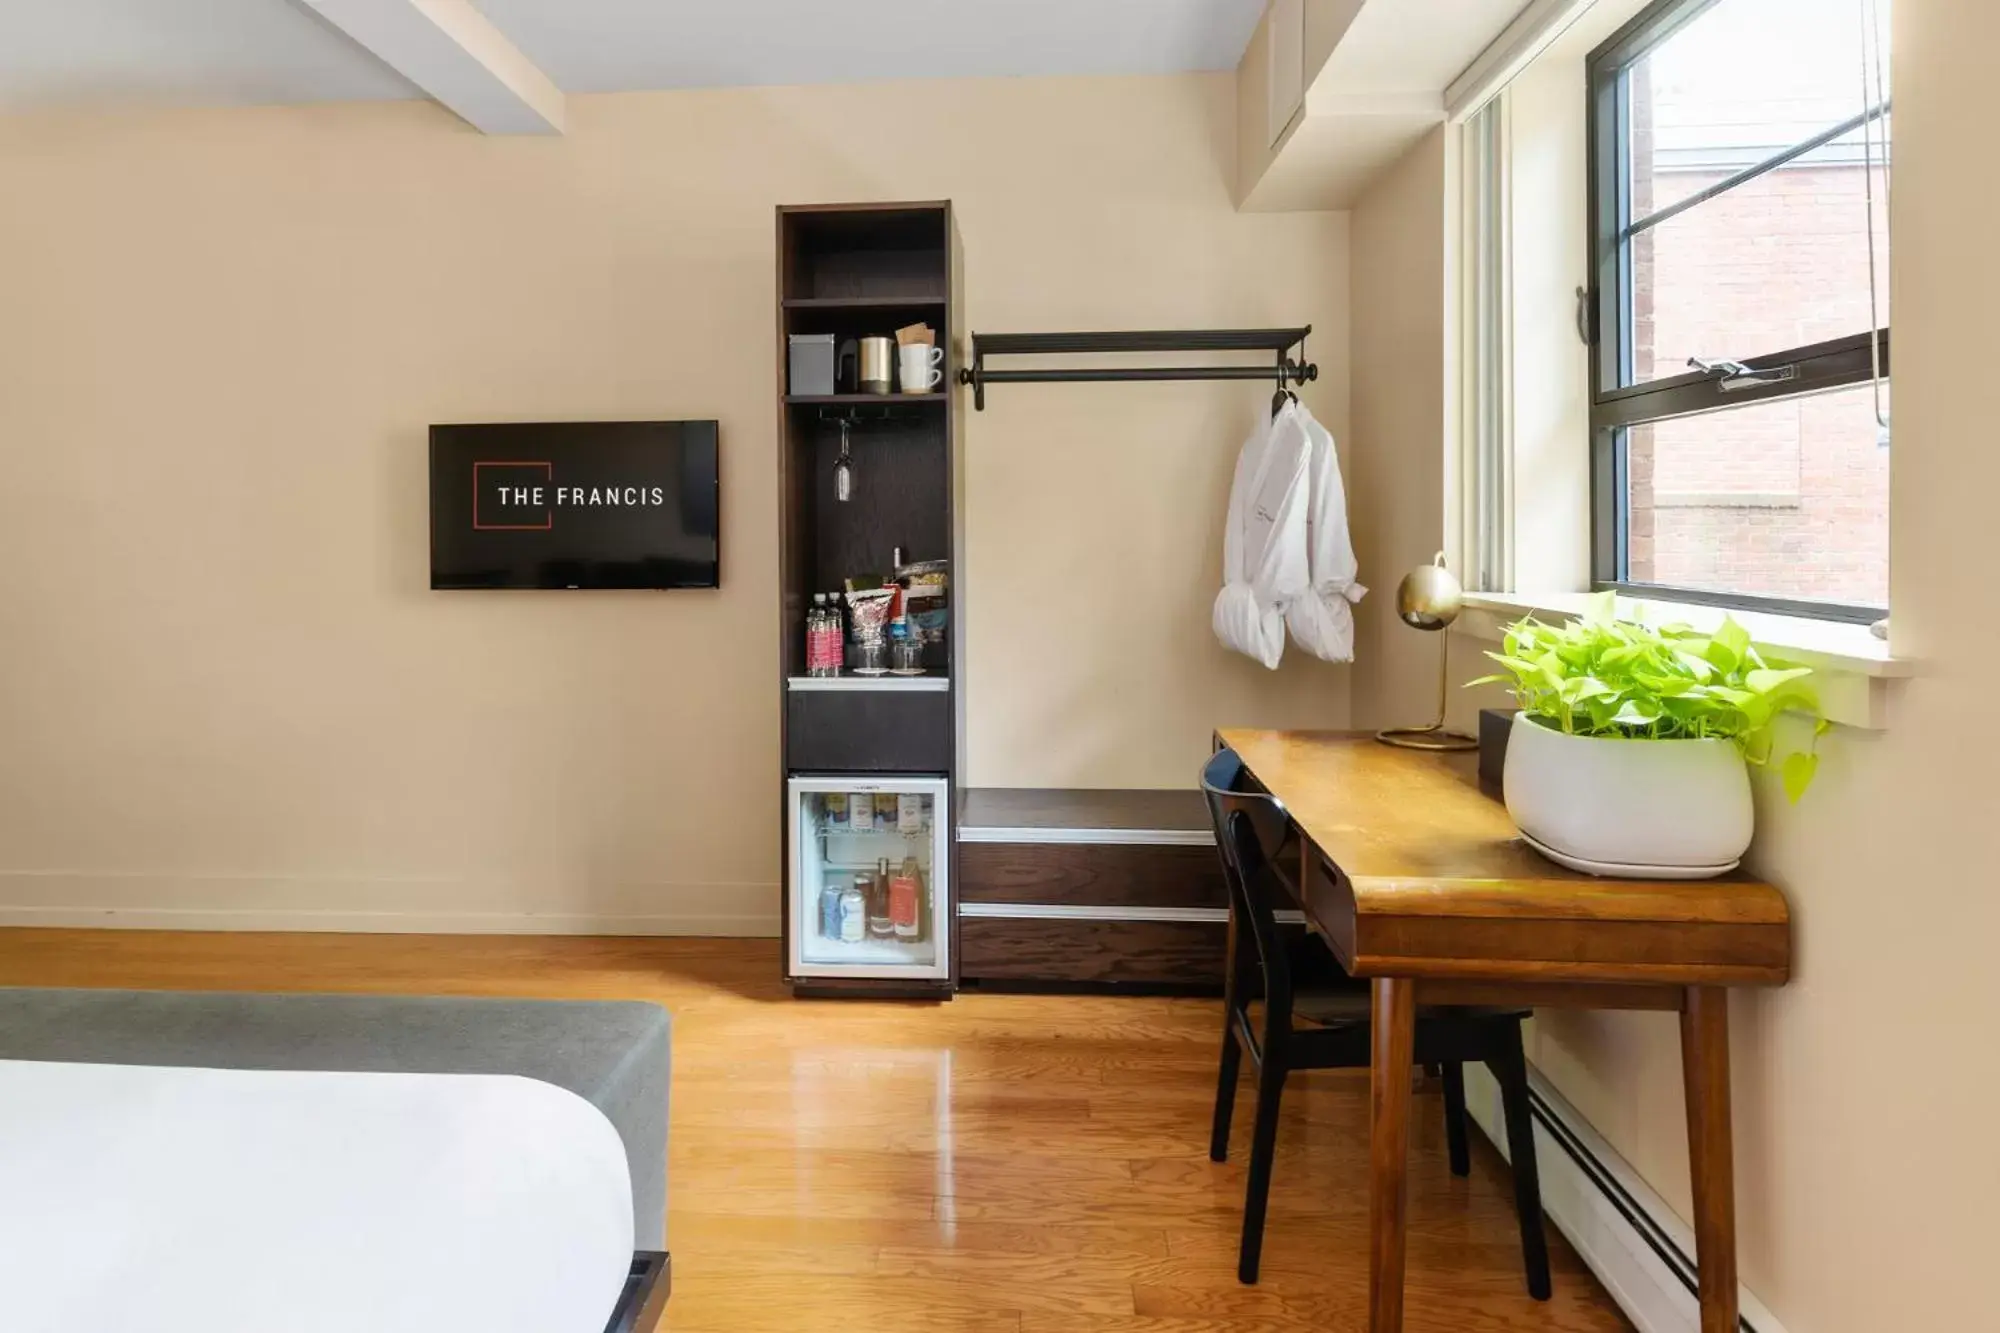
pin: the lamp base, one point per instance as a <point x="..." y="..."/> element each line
<point x="1433" y="737"/>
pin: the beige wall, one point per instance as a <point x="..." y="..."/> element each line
<point x="1862" y="1085"/>
<point x="1862" y="1089"/>
<point x="1400" y="400"/>
<point x="233" y="699"/>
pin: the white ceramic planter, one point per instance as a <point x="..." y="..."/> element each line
<point x="1662" y="809"/>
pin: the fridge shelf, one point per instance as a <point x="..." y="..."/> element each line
<point x="860" y="851"/>
<point x="872" y="952"/>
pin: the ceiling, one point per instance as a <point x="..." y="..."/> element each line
<point x="236" y="52"/>
<point x="590" y="46"/>
<point x="183" y="52"/>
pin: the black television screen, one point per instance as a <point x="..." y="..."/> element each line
<point x="615" y="504"/>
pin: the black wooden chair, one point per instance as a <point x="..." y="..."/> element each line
<point x="1299" y="979"/>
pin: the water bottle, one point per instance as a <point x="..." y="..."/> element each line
<point x="816" y="664"/>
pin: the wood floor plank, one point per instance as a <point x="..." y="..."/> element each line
<point x="997" y="1164"/>
<point x="1063" y="1284"/>
<point x="954" y="1173"/>
<point x="1033" y="1321"/>
<point x="708" y="1231"/>
<point x="1463" y="1303"/>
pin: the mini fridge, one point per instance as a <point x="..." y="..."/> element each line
<point x="869" y="891"/>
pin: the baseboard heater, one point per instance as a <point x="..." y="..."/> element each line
<point x="1625" y="1232"/>
<point x="1643" y="1224"/>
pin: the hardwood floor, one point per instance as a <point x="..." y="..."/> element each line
<point x="998" y="1164"/>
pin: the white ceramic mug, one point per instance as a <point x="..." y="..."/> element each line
<point x="922" y="366"/>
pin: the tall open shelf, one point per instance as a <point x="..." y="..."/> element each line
<point x="857" y="270"/>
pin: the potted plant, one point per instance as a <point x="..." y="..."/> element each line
<point x="1629" y="755"/>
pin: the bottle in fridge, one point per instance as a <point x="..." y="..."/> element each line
<point x="877" y="889"/>
<point x="868" y="882"/>
<point x="906" y="888"/>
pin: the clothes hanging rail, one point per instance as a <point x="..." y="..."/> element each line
<point x="1279" y="342"/>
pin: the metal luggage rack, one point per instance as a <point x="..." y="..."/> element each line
<point x="1279" y="342"/>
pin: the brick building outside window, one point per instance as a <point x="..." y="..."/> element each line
<point x="1789" y="497"/>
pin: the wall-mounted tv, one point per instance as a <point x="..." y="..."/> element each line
<point x="611" y="504"/>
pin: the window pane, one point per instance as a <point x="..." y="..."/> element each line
<point x="1782" y="260"/>
<point x="1780" y="499"/>
<point x="1778" y="262"/>
<point x="1743" y="82"/>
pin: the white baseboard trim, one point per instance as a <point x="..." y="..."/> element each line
<point x="397" y="905"/>
<point x="761" y="926"/>
<point x="1626" y="1234"/>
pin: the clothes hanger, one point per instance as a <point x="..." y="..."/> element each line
<point x="1282" y="396"/>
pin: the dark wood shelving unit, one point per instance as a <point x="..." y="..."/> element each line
<point x="888" y="402"/>
<point x="855" y="270"/>
<point x="860" y="302"/>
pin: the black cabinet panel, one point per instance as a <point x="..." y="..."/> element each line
<point x="1173" y="953"/>
<point x="1091" y="875"/>
<point x="868" y="731"/>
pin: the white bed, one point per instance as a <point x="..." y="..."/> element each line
<point x="233" y="1201"/>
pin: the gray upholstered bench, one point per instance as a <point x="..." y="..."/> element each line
<point x="613" y="1054"/>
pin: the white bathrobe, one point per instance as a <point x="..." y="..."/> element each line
<point x="1264" y="538"/>
<point x="1322" y="619"/>
<point x="1285" y="546"/>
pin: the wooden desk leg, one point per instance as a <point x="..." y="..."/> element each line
<point x="1393" y="1038"/>
<point x="1711" y="1160"/>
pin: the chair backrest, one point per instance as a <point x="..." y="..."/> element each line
<point x="1250" y="826"/>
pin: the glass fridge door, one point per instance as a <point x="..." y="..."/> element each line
<point x="870" y="877"/>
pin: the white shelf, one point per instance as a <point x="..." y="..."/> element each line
<point x="938" y="683"/>
<point x="871" y="952"/>
<point x="855" y="852"/>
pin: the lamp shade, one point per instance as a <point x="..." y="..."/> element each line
<point x="1429" y="597"/>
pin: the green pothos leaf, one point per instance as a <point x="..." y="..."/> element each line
<point x="1600" y="676"/>
<point x="1797" y="773"/>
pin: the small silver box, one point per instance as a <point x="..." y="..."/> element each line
<point x="812" y="363"/>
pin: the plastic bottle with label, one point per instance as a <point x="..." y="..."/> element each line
<point x="906" y="889"/>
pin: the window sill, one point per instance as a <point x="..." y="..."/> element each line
<point x="1855" y="668"/>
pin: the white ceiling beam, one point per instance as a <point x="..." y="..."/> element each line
<point x="448" y="49"/>
<point x="1532" y="32"/>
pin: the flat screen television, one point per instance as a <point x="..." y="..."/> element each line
<point x="611" y="504"/>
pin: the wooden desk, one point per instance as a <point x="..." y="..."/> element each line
<point x="1418" y="880"/>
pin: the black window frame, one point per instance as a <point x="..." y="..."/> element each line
<point x="1615" y="405"/>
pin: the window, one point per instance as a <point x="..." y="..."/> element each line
<point x="1739" y="308"/>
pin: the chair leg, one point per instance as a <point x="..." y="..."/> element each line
<point x="1263" y="1146"/>
<point x="1454" y="1119"/>
<point x="1512" y="1072"/>
<point x="1232" y="1050"/>
<point x="1225" y="1088"/>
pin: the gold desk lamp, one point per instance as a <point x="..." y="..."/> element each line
<point x="1429" y="599"/>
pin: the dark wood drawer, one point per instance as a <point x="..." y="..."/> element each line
<point x="868" y="731"/>
<point x="1090" y="874"/>
<point x="1177" y="953"/>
